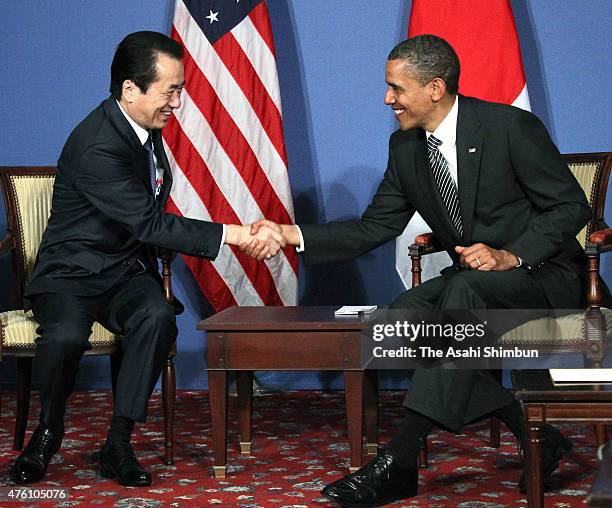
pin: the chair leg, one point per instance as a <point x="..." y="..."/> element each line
<point x="495" y="431"/>
<point x="423" y="461"/>
<point x="168" y="400"/>
<point x="24" y="382"/>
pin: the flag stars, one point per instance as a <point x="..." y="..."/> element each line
<point x="212" y="16"/>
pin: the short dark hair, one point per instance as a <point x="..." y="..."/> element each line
<point x="135" y="59"/>
<point x="427" y="57"/>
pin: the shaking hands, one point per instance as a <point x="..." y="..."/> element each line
<point x="262" y="239"/>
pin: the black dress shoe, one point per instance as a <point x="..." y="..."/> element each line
<point x="31" y="465"/>
<point x="117" y="460"/>
<point x="377" y="483"/>
<point x="555" y="446"/>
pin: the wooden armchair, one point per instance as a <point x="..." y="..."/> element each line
<point x="27" y="196"/>
<point x="574" y="333"/>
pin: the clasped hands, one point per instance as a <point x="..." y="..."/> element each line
<point x="262" y="239"/>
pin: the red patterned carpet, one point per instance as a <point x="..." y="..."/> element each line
<point x="299" y="445"/>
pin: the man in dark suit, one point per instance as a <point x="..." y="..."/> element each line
<point x="97" y="260"/>
<point x="495" y="191"/>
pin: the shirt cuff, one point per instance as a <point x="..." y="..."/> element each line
<point x="300" y="248"/>
<point x="223" y="236"/>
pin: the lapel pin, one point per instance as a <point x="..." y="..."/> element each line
<point x="472" y="150"/>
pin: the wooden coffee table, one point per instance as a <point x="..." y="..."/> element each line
<point x="246" y="339"/>
<point x="545" y="403"/>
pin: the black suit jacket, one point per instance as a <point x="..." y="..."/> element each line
<point x="515" y="193"/>
<point x="104" y="214"/>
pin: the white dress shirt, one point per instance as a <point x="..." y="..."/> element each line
<point x="447" y="133"/>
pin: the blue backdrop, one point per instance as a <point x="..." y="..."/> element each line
<point x="55" y="68"/>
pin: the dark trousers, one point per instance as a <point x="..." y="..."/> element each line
<point x="452" y="397"/>
<point x="136" y="309"/>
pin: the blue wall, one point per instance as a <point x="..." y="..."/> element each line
<point x="55" y="67"/>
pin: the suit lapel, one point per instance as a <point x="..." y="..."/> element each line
<point x="126" y="131"/>
<point x="469" y="153"/>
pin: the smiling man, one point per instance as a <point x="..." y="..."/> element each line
<point x="494" y="189"/>
<point x="97" y="260"/>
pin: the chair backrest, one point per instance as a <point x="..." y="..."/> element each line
<point x="28" y="192"/>
<point x="592" y="170"/>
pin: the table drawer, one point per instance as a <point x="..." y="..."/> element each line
<point x="283" y="350"/>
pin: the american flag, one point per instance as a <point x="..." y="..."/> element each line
<point x="226" y="148"/>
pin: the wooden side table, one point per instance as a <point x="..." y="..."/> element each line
<point x="245" y="339"/>
<point x="542" y="403"/>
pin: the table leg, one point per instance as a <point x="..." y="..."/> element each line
<point x="533" y="465"/>
<point x="370" y="400"/>
<point x="353" y="394"/>
<point x="217" y="395"/>
<point x="244" y="389"/>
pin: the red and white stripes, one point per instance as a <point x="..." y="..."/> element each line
<point x="226" y="150"/>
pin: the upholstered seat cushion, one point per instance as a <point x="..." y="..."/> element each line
<point x="564" y="330"/>
<point x="18" y="330"/>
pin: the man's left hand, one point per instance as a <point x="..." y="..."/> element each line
<point x="484" y="258"/>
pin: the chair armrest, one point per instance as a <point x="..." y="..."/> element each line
<point x="602" y="239"/>
<point x="169" y="255"/>
<point x="166" y="257"/>
<point x="7" y="243"/>
<point x="426" y="239"/>
<point x="424" y="244"/>
<point x="598" y="243"/>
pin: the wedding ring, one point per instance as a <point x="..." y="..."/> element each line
<point x="478" y="262"/>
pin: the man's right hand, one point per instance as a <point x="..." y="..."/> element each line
<point x="288" y="231"/>
<point x="263" y="244"/>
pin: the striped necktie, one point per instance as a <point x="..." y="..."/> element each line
<point x="444" y="181"/>
<point x="148" y="146"/>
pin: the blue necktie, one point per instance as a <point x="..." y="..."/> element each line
<point x="148" y="146"/>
